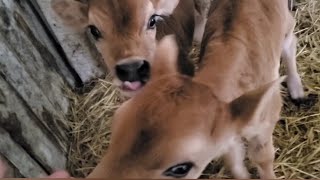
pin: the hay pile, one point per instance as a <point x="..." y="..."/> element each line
<point x="90" y="120"/>
<point x="297" y="135"/>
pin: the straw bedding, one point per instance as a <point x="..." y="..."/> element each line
<point x="297" y="135"/>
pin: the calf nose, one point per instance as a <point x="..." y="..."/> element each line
<point x="133" y="71"/>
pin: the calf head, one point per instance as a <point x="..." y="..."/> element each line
<point x="124" y="32"/>
<point x="176" y="126"/>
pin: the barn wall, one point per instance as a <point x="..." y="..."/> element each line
<point x="34" y="74"/>
<point x="80" y="51"/>
<point x="11" y="171"/>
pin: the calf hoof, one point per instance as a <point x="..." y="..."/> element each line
<point x="306" y="102"/>
<point x="295" y="88"/>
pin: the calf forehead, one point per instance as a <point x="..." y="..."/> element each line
<point x="149" y="143"/>
<point x="145" y="121"/>
<point x="122" y="14"/>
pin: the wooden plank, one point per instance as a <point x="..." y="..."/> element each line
<point x="18" y="157"/>
<point x="31" y="26"/>
<point x="29" y="72"/>
<point x="26" y="130"/>
<point x="82" y="54"/>
<point x="14" y="73"/>
<point x="25" y="43"/>
<point x="32" y="100"/>
<point x="9" y="170"/>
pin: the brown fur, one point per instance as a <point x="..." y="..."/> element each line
<point x="235" y="95"/>
<point x="249" y="46"/>
<point x="123" y="27"/>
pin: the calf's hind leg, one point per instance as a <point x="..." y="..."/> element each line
<point x="289" y="57"/>
<point x="201" y="13"/>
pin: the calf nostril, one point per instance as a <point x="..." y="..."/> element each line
<point x="119" y="69"/>
<point x="136" y="71"/>
<point x="144" y="70"/>
<point x="122" y="72"/>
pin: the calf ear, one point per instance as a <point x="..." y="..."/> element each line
<point x="166" y="57"/>
<point x="249" y="106"/>
<point x="73" y="13"/>
<point x="165" y="7"/>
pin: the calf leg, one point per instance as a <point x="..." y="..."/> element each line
<point x="200" y="24"/>
<point x="289" y="56"/>
<point x="234" y="160"/>
<point x="262" y="154"/>
<point x="201" y="13"/>
<point x="291" y="4"/>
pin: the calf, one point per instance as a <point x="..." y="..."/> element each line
<point x="125" y="32"/>
<point x="178" y="124"/>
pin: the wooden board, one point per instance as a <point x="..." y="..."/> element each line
<point x="19" y="16"/>
<point x="81" y="53"/>
<point x="18" y="157"/>
<point x="28" y="131"/>
<point x="33" y="96"/>
<point x="27" y="43"/>
<point x="7" y="169"/>
<point x="28" y="66"/>
<point x="33" y="103"/>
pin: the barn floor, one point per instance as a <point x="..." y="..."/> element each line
<point x="297" y="135"/>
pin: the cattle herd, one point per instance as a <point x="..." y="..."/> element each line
<point x="178" y="119"/>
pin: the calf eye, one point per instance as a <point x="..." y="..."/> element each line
<point x="179" y="171"/>
<point x="95" y="32"/>
<point x="152" y="24"/>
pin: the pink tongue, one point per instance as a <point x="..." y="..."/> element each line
<point x="133" y="86"/>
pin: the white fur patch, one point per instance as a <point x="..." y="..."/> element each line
<point x="289" y="56"/>
<point x="165" y="7"/>
<point x="193" y="145"/>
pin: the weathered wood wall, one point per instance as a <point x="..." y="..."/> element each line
<point x="80" y="52"/>
<point x="10" y="170"/>
<point x="38" y="60"/>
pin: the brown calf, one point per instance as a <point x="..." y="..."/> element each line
<point x="178" y="124"/>
<point x="125" y="32"/>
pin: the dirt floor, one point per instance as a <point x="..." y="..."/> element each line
<point x="297" y="135"/>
